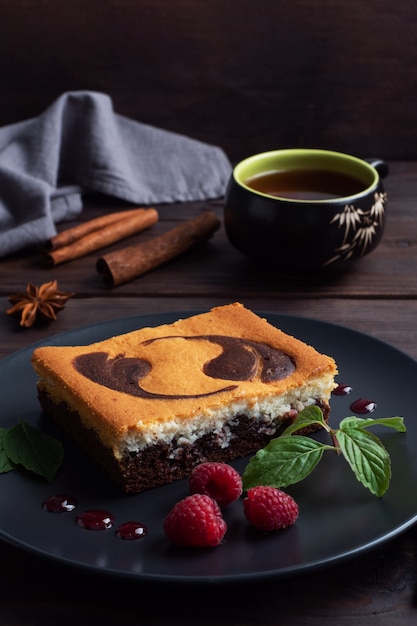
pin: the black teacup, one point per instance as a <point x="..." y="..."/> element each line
<point x="305" y="211"/>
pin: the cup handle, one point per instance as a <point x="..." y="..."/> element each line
<point x="380" y="166"/>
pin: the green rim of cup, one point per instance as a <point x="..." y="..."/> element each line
<point x="304" y="158"/>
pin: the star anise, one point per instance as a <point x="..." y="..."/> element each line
<point x="44" y="301"/>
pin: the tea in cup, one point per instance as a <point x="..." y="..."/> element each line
<point x="305" y="211"/>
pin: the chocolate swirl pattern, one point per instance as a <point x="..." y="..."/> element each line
<point x="239" y="360"/>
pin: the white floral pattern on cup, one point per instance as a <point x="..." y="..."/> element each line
<point x="360" y="228"/>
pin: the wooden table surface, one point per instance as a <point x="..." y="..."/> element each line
<point x="378" y="297"/>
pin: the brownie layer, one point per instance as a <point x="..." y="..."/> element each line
<point x="163" y="463"/>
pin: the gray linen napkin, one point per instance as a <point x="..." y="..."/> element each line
<point x="79" y="144"/>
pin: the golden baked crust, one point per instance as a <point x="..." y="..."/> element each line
<point x="175" y="386"/>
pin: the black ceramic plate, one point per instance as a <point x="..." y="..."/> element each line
<point x="338" y="519"/>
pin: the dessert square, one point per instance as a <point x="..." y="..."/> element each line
<point x="151" y="404"/>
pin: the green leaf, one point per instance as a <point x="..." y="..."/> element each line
<point x="367" y="457"/>
<point x="36" y="451"/>
<point x="5" y="464"/>
<point x="309" y="416"/>
<point x="397" y="423"/>
<point x="284" y="461"/>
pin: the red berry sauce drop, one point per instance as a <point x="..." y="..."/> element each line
<point x="342" y="390"/>
<point x="362" y="406"/>
<point x="131" y="530"/>
<point x="95" y="519"/>
<point x="59" y="504"/>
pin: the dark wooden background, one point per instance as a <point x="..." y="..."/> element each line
<point x="246" y="75"/>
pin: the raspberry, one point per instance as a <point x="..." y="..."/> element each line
<point x="220" y="481"/>
<point x="269" y="508"/>
<point x="195" y="521"/>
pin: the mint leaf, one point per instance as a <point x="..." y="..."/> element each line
<point x="284" y="461"/>
<point x="290" y="458"/>
<point x="367" y="457"/>
<point x="359" y="422"/>
<point x="5" y="463"/>
<point x="309" y="416"/>
<point x="36" y="451"/>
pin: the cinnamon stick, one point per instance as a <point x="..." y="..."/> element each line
<point x="133" y="261"/>
<point x="68" y="236"/>
<point x="97" y="233"/>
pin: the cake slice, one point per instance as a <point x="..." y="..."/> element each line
<point x="150" y="404"/>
